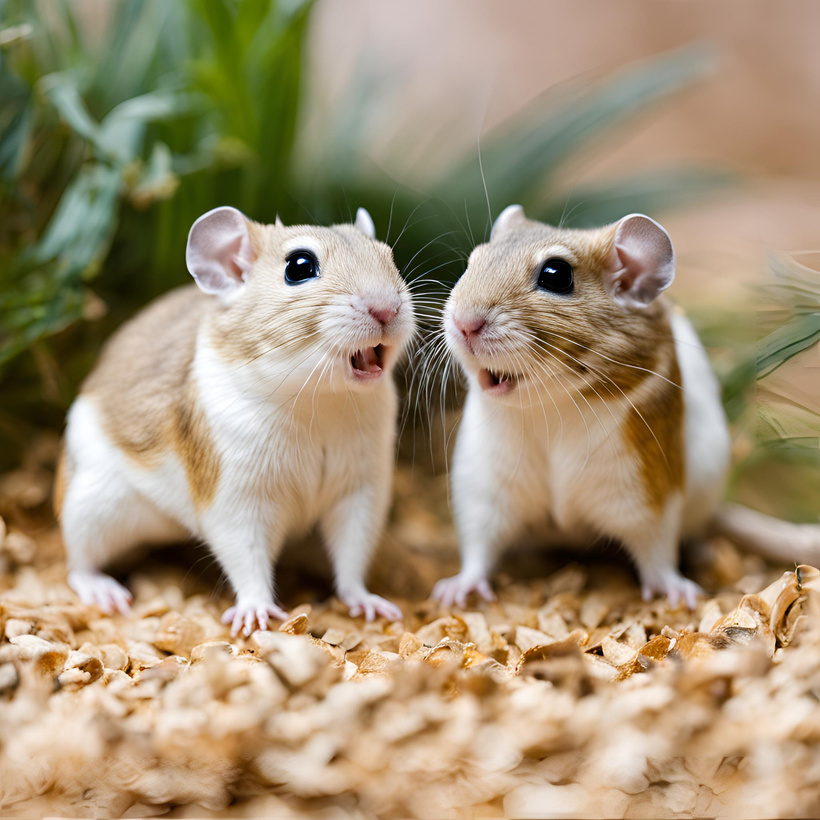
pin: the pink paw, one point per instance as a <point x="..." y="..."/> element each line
<point x="362" y="602"/>
<point x="450" y="591"/>
<point x="677" y="589"/>
<point x="100" y="590"/>
<point x="251" y="613"/>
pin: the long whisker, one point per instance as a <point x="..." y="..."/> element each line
<point x="562" y="384"/>
<point x="390" y="219"/>
<point x="610" y="359"/>
<point x="589" y="405"/>
<point x="427" y="245"/>
<point x="543" y="349"/>
<point x="486" y="194"/>
<point x="626" y="397"/>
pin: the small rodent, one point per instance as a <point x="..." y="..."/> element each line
<point x="243" y="412"/>
<point x="592" y="410"/>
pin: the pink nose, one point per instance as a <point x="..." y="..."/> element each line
<point x="383" y="315"/>
<point x="469" y="327"/>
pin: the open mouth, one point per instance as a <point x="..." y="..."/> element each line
<point x="368" y="364"/>
<point x="496" y="382"/>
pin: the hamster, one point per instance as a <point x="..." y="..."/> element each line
<point x="244" y="411"/>
<point x="592" y="410"/>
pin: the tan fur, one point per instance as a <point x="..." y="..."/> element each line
<point x="290" y="324"/>
<point x="568" y="328"/>
<point x="569" y="334"/>
<point x="144" y="393"/>
<point x="192" y="421"/>
<point x="630" y="465"/>
<point x="142" y="384"/>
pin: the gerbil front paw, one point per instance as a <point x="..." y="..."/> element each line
<point x="449" y="591"/>
<point x="251" y="613"/>
<point x="100" y="590"/>
<point x="672" y="584"/>
<point x="362" y="602"/>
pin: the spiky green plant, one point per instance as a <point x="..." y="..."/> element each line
<point x="781" y="471"/>
<point x="111" y="147"/>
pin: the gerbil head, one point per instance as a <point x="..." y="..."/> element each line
<point x="539" y="304"/>
<point x="318" y="303"/>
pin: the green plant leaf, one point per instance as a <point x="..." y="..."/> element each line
<point x="16" y="124"/>
<point x="519" y="158"/>
<point x="81" y="229"/>
<point x="792" y="283"/>
<point x="157" y="180"/>
<point x="799" y="333"/>
<point x="139" y="31"/>
<point x="62" y="90"/>
<point x="121" y="132"/>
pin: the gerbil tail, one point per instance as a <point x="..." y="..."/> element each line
<point x="770" y="537"/>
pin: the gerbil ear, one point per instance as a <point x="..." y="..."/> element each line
<point x="511" y="217"/>
<point x="219" y="254"/>
<point x="642" y="263"/>
<point x="364" y="222"/>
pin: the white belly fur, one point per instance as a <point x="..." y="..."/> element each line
<point x="706" y="433"/>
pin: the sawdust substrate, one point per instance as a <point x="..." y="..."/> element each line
<point x="568" y="697"/>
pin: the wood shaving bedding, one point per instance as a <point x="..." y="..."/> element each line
<point x="568" y="697"/>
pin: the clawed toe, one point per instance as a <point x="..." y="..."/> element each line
<point x="678" y="590"/>
<point x="456" y="590"/>
<point x="371" y="606"/>
<point x="100" y="590"/>
<point x="244" y="616"/>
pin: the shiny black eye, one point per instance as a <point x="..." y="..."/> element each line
<point x="299" y="266"/>
<point x="556" y="276"/>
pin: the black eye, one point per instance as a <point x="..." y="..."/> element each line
<point x="299" y="266"/>
<point x="556" y="276"/>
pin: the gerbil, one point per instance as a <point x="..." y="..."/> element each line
<point x="244" y="412"/>
<point x="592" y="411"/>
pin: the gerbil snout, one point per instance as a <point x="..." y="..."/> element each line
<point x="384" y="324"/>
<point x="483" y="334"/>
<point x="382" y="308"/>
<point x="478" y="338"/>
<point x="469" y="326"/>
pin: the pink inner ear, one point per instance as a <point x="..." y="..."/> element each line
<point x="643" y="263"/>
<point x="220" y="254"/>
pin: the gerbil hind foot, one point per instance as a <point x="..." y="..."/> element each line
<point x="98" y="589"/>
<point x="246" y="614"/>
<point x="671" y="583"/>
<point x="455" y="590"/>
<point x="362" y="602"/>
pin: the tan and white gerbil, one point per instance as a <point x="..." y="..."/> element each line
<point x="592" y="411"/>
<point x="244" y="412"/>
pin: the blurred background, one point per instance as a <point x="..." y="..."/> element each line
<point x="121" y="121"/>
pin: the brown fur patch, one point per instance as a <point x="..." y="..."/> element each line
<point x="143" y="390"/>
<point x="654" y="432"/>
<point x="196" y="451"/>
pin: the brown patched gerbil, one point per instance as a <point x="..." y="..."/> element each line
<point x="592" y="410"/>
<point x="244" y="412"/>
